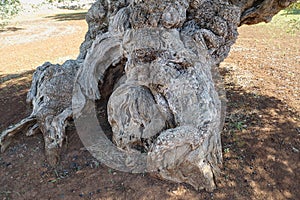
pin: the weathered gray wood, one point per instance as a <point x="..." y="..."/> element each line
<point x="155" y="62"/>
<point x="50" y="95"/>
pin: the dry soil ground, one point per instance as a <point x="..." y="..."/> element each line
<point x="261" y="138"/>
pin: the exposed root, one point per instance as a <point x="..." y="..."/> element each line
<point x="50" y="95"/>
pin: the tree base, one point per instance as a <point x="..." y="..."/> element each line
<point x="155" y="64"/>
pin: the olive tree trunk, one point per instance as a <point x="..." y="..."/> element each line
<point x="153" y="67"/>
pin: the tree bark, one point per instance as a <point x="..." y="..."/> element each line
<point x="154" y="65"/>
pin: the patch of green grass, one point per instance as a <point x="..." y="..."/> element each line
<point x="238" y="125"/>
<point x="6" y="194"/>
<point x="286" y="21"/>
<point x="226" y="150"/>
<point x="8" y="9"/>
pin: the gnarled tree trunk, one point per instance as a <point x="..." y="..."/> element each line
<point x="153" y="64"/>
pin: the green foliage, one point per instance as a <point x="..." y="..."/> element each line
<point x="293" y="26"/>
<point x="66" y="4"/>
<point x="60" y="1"/>
<point x="295" y="5"/>
<point x="293" y="23"/>
<point x="286" y="21"/>
<point x="9" y="8"/>
<point x="294" y="8"/>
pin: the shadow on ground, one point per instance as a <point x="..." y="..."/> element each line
<point x="8" y="77"/>
<point x="10" y="29"/>
<point x="68" y="16"/>
<point x="260" y="144"/>
<point x="13" y="91"/>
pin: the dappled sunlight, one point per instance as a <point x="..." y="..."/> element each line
<point x="261" y="138"/>
<point x="259" y="154"/>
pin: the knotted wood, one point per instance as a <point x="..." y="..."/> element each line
<point x="154" y="64"/>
